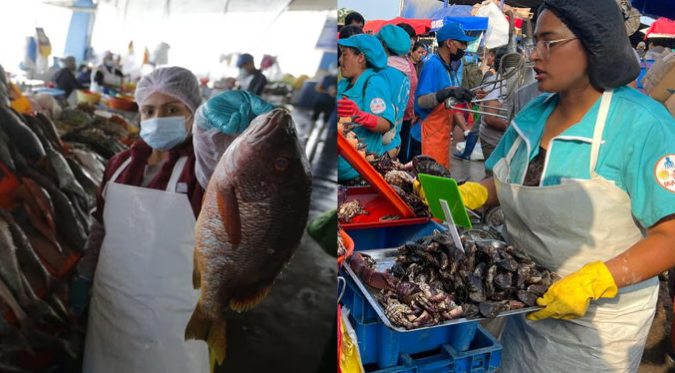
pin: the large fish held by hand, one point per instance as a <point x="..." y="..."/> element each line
<point x="252" y="219"/>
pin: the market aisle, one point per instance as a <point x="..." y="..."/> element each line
<point x="290" y="329"/>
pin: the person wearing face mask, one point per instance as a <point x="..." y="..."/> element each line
<point x="106" y="75"/>
<point x="440" y="79"/>
<point x="585" y="178"/>
<point x="250" y="78"/>
<point x="138" y="258"/>
<point x="65" y="79"/>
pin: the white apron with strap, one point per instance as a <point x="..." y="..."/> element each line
<point x="142" y="296"/>
<point x="564" y="227"/>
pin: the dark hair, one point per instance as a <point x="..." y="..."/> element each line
<point x="660" y="42"/>
<point x="350" y="30"/>
<point x="408" y="29"/>
<point x="499" y="54"/>
<point x="357" y="51"/>
<point x="354" y="17"/>
<point x="417" y="46"/>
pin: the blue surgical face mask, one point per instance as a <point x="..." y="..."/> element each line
<point x="109" y="63"/>
<point x="163" y="133"/>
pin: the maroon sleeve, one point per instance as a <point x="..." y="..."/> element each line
<point x="195" y="190"/>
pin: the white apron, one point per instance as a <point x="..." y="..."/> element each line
<point x="109" y="78"/>
<point x="564" y="227"/>
<point x="142" y="296"/>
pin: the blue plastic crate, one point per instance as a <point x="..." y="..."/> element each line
<point x="382" y="346"/>
<point x="385" y="351"/>
<point x="359" y="307"/>
<point x="50" y="91"/>
<point x="386" y="237"/>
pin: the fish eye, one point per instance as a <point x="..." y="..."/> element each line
<point x="280" y="164"/>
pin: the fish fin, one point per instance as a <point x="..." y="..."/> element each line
<point x="212" y="331"/>
<point x="228" y="207"/>
<point x="245" y="304"/>
<point x="196" y="275"/>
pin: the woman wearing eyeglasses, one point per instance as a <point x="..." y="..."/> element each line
<point x="585" y="177"/>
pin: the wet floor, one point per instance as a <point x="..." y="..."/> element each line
<point x="293" y="327"/>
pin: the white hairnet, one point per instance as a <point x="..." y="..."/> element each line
<point x="176" y="82"/>
<point x="217" y="123"/>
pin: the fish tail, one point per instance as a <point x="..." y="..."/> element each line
<point x="242" y="304"/>
<point x="213" y="331"/>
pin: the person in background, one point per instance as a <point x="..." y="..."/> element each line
<point x="355" y="19"/>
<point x="250" y="78"/>
<point x="409" y="115"/>
<point x="492" y="128"/>
<point x="416" y="55"/>
<point x="641" y="49"/>
<point x="138" y="255"/>
<point x="364" y="96"/>
<point x="657" y="46"/>
<point x="106" y="76"/>
<point x="490" y="63"/>
<point x="396" y="44"/>
<point x="438" y="82"/>
<point x="65" y="78"/>
<point x="585" y="180"/>
<point x="84" y="75"/>
<point x="346" y="32"/>
<point x="326" y="92"/>
<point x="476" y="130"/>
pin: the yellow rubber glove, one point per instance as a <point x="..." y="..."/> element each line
<point x="473" y="195"/>
<point x="569" y="298"/>
<point x="417" y="186"/>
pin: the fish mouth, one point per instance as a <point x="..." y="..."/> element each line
<point x="277" y="120"/>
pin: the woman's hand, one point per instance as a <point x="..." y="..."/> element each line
<point x="569" y="298"/>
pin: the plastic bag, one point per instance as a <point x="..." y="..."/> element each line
<point x="497" y="33"/>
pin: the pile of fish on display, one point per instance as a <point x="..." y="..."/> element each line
<point x="401" y="177"/>
<point x="50" y="170"/>
<point x="431" y="281"/>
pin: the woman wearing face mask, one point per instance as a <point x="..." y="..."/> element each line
<point x="585" y="177"/>
<point x="106" y="75"/>
<point x="439" y="80"/>
<point x="140" y="251"/>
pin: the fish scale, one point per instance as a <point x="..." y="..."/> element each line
<point x="254" y="214"/>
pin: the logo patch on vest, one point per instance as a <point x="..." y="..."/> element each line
<point x="377" y="106"/>
<point x="664" y="172"/>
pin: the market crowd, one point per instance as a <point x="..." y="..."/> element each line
<point x="581" y="163"/>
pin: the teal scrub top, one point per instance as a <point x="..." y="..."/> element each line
<point x="637" y="152"/>
<point x="399" y="85"/>
<point x="372" y="95"/>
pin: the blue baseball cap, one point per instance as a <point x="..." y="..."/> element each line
<point x="243" y="59"/>
<point x="369" y="46"/>
<point x="452" y="31"/>
<point x="395" y="39"/>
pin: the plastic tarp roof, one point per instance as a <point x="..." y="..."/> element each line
<point x="655" y="8"/>
<point x="460" y="14"/>
<point x="421" y="26"/>
<point x="661" y="28"/>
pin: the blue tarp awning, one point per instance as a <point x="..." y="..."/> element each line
<point x="655" y="8"/>
<point x="460" y="14"/>
<point x="469" y="23"/>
